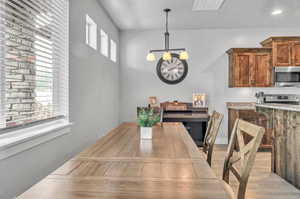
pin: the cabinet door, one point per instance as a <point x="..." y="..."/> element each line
<point x="263" y="70"/>
<point x="282" y="54"/>
<point x="296" y="53"/>
<point x="262" y="121"/>
<point x="248" y="116"/>
<point x="241" y="76"/>
<point x="258" y="119"/>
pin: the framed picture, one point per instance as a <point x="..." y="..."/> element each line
<point x="199" y="100"/>
<point x="153" y="102"/>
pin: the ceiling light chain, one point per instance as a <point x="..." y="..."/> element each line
<point x="167" y="34"/>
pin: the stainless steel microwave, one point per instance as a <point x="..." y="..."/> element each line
<point x="287" y="76"/>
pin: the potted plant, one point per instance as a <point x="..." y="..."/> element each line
<point x="146" y="120"/>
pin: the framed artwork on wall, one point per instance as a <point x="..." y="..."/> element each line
<point x="153" y="102"/>
<point x="199" y="100"/>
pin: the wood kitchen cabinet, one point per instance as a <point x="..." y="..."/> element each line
<point x="250" y="67"/>
<point x="286" y="50"/>
<point x="253" y="117"/>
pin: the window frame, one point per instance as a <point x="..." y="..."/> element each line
<point x="104" y="43"/>
<point x="113" y="51"/>
<point x="20" y="138"/>
<point x="48" y="102"/>
<point x="91" y="32"/>
<point x="47" y="98"/>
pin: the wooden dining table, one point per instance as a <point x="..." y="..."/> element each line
<point x="123" y="166"/>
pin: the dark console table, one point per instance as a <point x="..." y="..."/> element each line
<point x="194" y="119"/>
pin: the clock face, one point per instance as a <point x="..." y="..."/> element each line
<point x="173" y="71"/>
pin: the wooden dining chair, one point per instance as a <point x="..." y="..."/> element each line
<point x="244" y="154"/>
<point x="211" y="135"/>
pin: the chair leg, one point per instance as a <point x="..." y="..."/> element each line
<point x="226" y="171"/>
<point x="209" y="155"/>
<point x="242" y="190"/>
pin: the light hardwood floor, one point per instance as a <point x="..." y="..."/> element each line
<point x="262" y="183"/>
<point x="261" y="167"/>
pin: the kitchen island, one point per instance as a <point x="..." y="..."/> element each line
<point x="284" y="122"/>
<point x="121" y="165"/>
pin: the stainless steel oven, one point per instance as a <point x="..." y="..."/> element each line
<point x="263" y="98"/>
<point x="287" y="76"/>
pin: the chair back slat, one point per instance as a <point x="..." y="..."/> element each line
<point x="211" y="134"/>
<point x="244" y="153"/>
<point x="248" y="128"/>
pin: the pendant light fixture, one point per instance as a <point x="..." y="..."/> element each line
<point x="167" y="52"/>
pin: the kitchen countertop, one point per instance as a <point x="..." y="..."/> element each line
<point x="286" y="107"/>
<point x="241" y="105"/>
<point x="253" y="105"/>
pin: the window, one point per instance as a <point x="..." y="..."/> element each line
<point x="104" y="43"/>
<point x="91" y="32"/>
<point x="113" y="51"/>
<point x="34" y="61"/>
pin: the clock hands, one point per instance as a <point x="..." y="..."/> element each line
<point x="171" y="69"/>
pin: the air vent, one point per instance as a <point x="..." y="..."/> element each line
<point x="202" y="5"/>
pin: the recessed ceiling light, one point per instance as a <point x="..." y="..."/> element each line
<point x="276" y="12"/>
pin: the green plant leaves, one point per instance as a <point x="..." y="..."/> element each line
<point x="147" y="118"/>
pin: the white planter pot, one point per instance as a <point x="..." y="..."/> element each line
<point x="146" y="146"/>
<point x="146" y="132"/>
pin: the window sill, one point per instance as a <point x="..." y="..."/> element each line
<point x="27" y="138"/>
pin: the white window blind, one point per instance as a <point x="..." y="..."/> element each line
<point x="34" y="61"/>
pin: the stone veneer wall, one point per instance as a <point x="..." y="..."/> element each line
<point x="20" y="68"/>
<point x="20" y="74"/>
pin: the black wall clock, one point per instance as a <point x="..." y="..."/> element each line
<point x="173" y="71"/>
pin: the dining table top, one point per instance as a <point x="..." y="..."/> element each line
<point x="121" y="165"/>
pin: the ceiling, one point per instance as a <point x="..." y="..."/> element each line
<point x="148" y="14"/>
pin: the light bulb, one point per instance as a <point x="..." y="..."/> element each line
<point x="276" y="12"/>
<point x="151" y="57"/>
<point x="184" y="55"/>
<point x="167" y="56"/>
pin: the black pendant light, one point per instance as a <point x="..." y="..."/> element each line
<point x="167" y="52"/>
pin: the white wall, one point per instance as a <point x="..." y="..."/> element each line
<point x="94" y="91"/>
<point x="208" y="68"/>
<point x="94" y="78"/>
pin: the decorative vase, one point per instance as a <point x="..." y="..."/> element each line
<point x="146" y="146"/>
<point x="146" y="132"/>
